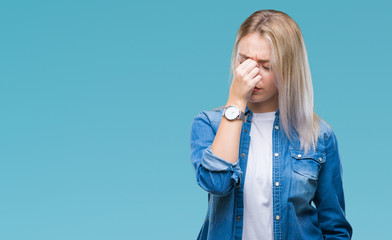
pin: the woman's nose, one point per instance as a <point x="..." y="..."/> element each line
<point x="260" y="69"/>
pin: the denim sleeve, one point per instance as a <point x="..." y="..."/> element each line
<point x="214" y="174"/>
<point x="329" y="196"/>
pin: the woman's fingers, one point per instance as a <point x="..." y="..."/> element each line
<point x="246" y="76"/>
<point x="247" y="65"/>
<point x="256" y="80"/>
<point x="253" y="73"/>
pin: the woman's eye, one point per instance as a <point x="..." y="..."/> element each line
<point x="266" y="68"/>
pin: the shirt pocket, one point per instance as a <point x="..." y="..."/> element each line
<point x="309" y="164"/>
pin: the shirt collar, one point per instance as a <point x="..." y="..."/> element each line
<point x="248" y="111"/>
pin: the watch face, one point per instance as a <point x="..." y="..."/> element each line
<point x="231" y="112"/>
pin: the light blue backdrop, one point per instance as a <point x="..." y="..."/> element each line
<point x="97" y="100"/>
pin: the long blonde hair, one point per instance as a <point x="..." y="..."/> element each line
<point x="289" y="61"/>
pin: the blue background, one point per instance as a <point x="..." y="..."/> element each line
<point x="97" y="100"/>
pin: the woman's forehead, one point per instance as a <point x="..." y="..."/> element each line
<point x="254" y="46"/>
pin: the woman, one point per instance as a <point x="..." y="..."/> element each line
<point x="270" y="165"/>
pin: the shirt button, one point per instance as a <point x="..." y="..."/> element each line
<point x="277" y="217"/>
<point x="276" y="127"/>
<point x="277" y="184"/>
<point x="320" y="159"/>
<point x="239" y="186"/>
<point x="246" y="130"/>
<point x="299" y="155"/>
<point x="242" y="154"/>
<point x="238" y="218"/>
<point x="276" y="154"/>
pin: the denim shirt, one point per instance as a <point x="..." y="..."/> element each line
<point x="308" y="198"/>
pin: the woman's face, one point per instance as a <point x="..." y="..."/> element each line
<point x="257" y="48"/>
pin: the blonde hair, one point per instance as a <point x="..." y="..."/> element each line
<point x="289" y="61"/>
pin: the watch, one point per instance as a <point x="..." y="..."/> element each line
<point x="232" y="112"/>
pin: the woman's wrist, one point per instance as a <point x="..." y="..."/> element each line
<point x="237" y="102"/>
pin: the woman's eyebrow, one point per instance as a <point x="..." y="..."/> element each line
<point x="260" y="60"/>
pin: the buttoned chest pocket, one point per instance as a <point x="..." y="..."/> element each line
<point x="307" y="165"/>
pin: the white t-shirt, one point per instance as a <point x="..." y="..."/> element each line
<point x="258" y="219"/>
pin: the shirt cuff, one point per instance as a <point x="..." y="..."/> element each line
<point x="212" y="162"/>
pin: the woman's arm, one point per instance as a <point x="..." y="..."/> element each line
<point x="329" y="197"/>
<point x="215" y="158"/>
<point x="214" y="173"/>
<point x="227" y="140"/>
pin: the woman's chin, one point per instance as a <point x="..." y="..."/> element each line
<point x="256" y="98"/>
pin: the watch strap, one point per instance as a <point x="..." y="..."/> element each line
<point x="241" y="116"/>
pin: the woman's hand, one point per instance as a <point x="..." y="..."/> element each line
<point x="244" y="81"/>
